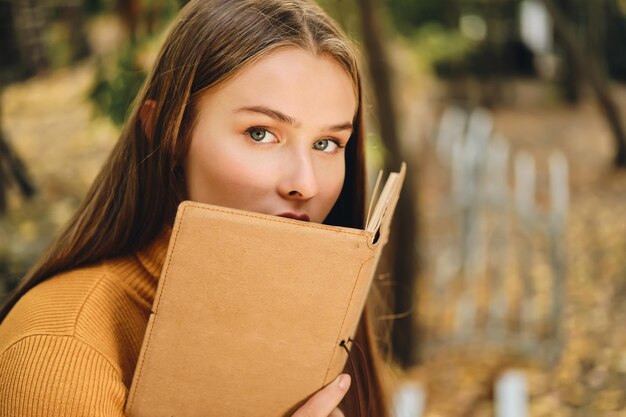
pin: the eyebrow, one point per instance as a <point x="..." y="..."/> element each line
<point x="283" y="118"/>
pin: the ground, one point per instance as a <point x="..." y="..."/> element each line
<point x="587" y="374"/>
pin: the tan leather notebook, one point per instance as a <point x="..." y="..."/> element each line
<point x="251" y="309"/>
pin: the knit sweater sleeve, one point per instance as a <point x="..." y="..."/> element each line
<point x="54" y="375"/>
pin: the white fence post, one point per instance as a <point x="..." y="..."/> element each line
<point x="511" y="395"/>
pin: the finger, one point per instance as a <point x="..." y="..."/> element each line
<point x="336" y="413"/>
<point x="323" y="402"/>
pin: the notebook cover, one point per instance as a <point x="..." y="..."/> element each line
<point x="249" y="313"/>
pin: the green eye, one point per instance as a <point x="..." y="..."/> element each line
<point x="321" y="145"/>
<point x="258" y="134"/>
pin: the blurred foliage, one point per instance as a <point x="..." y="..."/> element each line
<point x="615" y="51"/>
<point x="64" y="143"/>
<point x="442" y="47"/>
<point x="409" y="14"/>
<point x="30" y="230"/>
<point x="345" y="13"/>
<point x="115" y="88"/>
<point x="601" y="27"/>
<point x="58" y="46"/>
<point x="121" y="74"/>
<point x="96" y="6"/>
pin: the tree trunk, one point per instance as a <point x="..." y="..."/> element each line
<point x="569" y="78"/>
<point x="71" y="12"/>
<point x="9" y="49"/>
<point x="129" y="11"/>
<point x="11" y="170"/>
<point x="403" y="238"/>
<point x="29" y="19"/>
<point x="589" y="68"/>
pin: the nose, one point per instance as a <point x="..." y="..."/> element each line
<point x="299" y="179"/>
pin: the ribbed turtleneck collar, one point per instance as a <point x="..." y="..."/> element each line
<point x="152" y="256"/>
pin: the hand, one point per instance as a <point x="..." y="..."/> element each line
<point x="324" y="403"/>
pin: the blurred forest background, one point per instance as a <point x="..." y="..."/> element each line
<point x="507" y="269"/>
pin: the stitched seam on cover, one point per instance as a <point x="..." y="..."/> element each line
<point x="115" y="368"/>
<point x="139" y="368"/>
<point x="278" y="220"/>
<point x="344" y="317"/>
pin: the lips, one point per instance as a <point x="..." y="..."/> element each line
<point x="303" y="217"/>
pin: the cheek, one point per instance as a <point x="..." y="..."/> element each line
<point x="333" y="180"/>
<point x="218" y="172"/>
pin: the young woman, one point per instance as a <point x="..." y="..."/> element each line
<point x="252" y="104"/>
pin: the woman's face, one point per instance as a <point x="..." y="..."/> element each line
<point x="272" y="139"/>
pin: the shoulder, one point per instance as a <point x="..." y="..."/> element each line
<point x="46" y="375"/>
<point x="75" y="339"/>
<point x="96" y="305"/>
<point x="53" y="306"/>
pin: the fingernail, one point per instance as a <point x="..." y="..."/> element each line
<point x="344" y="381"/>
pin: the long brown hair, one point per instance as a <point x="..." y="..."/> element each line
<point x="140" y="186"/>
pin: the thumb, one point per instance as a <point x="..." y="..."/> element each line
<point x="323" y="402"/>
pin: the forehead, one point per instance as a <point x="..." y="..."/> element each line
<point x="308" y="87"/>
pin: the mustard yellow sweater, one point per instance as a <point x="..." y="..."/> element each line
<point x="70" y="345"/>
